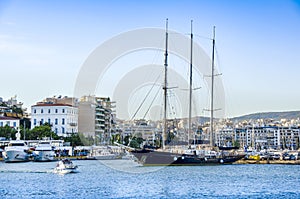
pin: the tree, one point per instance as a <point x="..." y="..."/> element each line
<point x="8" y="132"/>
<point x="236" y="143"/>
<point x="15" y="109"/>
<point x="39" y="132"/>
<point x="74" y="140"/>
<point x="136" y="142"/>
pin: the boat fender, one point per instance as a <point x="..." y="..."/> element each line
<point x="205" y="159"/>
<point x="182" y="157"/>
<point x="175" y="158"/>
<point x="221" y="161"/>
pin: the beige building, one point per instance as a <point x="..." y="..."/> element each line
<point x="97" y="118"/>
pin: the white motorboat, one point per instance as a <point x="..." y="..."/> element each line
<point x="103" y="153"/>
<point x="16" y="151"/>
<point x="65" y="166"/>
<point x="44" y="152"/>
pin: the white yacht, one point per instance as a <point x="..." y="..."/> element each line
<point x="103" y="153"/>
<point x="16" y="151"/>
<point x="65" y="166"/>
<point x="44" y="152"/>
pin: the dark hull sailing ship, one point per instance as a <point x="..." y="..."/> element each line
<point x="190" y="157"/>
<point x="149" y="157"/>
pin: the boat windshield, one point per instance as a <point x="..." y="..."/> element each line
<point x="16" y="144"/>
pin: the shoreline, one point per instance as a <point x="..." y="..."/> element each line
<point x="283" y="162"/>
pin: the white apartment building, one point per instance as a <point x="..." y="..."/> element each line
<point x="9" y="121"/>
<point x="62" y="117"/>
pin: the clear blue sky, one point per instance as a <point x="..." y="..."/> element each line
<point x="44" y="43"/>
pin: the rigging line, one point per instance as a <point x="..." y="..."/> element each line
<point x="152" y="102"/>
<point x="203" y="37"/>
<point x="218" y="58"/>
<point x="145" y="98"/>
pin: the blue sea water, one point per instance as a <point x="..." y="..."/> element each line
<point x="125" y="179"/>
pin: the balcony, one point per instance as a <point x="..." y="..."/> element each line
<point x="72" y="123"/>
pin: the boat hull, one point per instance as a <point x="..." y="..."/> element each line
<point x="160" y="158"/>
<point x="65" y="171"/>
<point x="15" y="156"/>
<point x="44" y="156"/>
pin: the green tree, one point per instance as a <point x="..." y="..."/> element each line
<point x="236" y="143"/>
<point x="8" y="132"/>
<point x="39" y="132"/>
<point x="136" y="142"/>
<point x="15" y="109"/>
<point x="74" y="139"/>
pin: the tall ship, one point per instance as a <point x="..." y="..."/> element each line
<point x="16" y="151"/>
<point x="44" y="152"/>
<point x="189" y="157"/>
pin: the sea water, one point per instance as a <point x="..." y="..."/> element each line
<point x="126" y="179"/>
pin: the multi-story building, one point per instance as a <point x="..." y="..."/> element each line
<point x="9" y="121"/>
<point x="260" y="137"/>
<point x="97" y="118"/>
<point x="63" y="118"/>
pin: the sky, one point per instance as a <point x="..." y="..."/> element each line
<point x="43" y="45"/>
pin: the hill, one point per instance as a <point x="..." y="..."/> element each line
<point x="270" y="115"/>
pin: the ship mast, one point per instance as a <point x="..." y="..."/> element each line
<point x="165" y="89"/>
<point x="191" y="74"/>
<point x="212" y="93"/>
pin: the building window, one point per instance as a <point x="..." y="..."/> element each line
<point x="56" y="131"/>
<point x="8" y="123"/>
<point x="42" y="121"/>
<point x="34" y="122"/>
<point x="48" y="110"/>
<point x="56" y="121"/>
<point x="56" y="111"/>
<point x="62" y="130"/>
<point x="15" y="124"/>
<point x="1" y="123"/>
<point x="49" y="121"/>
<point x="63" y="121"/>
<point x="34" y="110"/>
<point x="63" y="111"/>
<point x="42" y="111"/>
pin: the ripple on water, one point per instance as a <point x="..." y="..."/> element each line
<point x="96" y="180"/>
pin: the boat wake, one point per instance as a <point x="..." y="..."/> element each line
<point x="25" y="171"/>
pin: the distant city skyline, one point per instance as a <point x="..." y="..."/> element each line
<point x="43" y="45"/>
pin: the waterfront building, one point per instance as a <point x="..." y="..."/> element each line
<point x="260" y="137"/>
<point x="63" y="117"/>
<point x="12" y="108"/>
<point x="97" y="118"/>
<point x="9" y="121"/>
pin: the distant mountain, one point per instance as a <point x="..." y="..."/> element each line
<point x="254" y="116"/>
<point x="270" y="115"/>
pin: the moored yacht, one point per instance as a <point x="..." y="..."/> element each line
<point x="103" y="153"/>
<point x="16" y="151"/>
<point x="44" y="152"/>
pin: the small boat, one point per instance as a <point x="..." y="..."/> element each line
<point x="65" y="166"/>
<point x="44" y="152"/>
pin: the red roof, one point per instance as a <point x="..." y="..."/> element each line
<point x="52" y="105"/>
<point x="7" y="118"/>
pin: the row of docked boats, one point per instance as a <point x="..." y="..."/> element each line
<point x="18" y="151"/>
